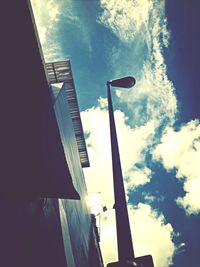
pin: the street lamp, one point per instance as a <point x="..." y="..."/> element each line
<point x="126" y="255"/>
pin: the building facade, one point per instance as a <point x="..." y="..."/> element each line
<point x="44" y="217"/>
<point x="82" y="247"/>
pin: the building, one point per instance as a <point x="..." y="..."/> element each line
<point x="77" y="222"/>
<point x="44" y="217"/>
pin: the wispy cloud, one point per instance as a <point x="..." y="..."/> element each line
<point x="47" y="14"/>
<point x="125" y="18"/>
<point x="180" y="150"/>
<point x="50" y="16"/>
<point x="153" y="98"/>
<point x="152" y="104"/>
<point x="142" y="23"/>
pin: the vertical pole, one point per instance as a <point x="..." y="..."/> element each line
<point x="124" y="240"/>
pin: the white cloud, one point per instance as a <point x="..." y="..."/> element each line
<point x="151" y="235"/>
<point x="46" y="14"/>
<point x="98" y="176"/>
<point x="180" y="150"/>
<point x="148" y="226"/>
<point x="132" y="144"/>
<point x="138" y="176"/>
<point x="126" y="17"/>
<point x="108" y="242"/>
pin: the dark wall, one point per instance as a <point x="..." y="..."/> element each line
<point x="30" y="234"/>
<point x="33" y="161"/>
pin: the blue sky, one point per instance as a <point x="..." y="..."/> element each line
<point x="158" y="126"/>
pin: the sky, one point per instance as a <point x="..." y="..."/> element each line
<point x="158" y="127"/>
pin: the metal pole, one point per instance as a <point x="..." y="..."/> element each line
<point x="124" y="240"/>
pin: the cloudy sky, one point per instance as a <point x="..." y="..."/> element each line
<point x="156" y="41"/>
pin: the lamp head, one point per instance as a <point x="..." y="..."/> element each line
<point x="125" y="82"/>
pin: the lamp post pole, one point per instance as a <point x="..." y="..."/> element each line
<point x="124" y="240"/>
<point x="126" y="255"/>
